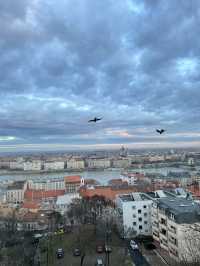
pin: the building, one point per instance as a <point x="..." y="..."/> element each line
<point x="94" y="163"/>
<point x="73" y="183"/>
<point x="133" y="214"/>
<point x="64" y="201"/>
<point x="75" y="164"/>
<point x="132" y="178"/>
<point x="15" y="192"/>
<point x="54" y="165"/>
<point x="31" y="221"/>
<point x="123" y="152"/>
<point x="35" y="165"/>
<point x="49" y="184"/>
<point x="16" y="165"/>
<point x="121" y="163"/>
<point x="42" y="195"/>
<point x="191" y="161"/>
<point x="174" y="221"/>
<point x="109" y="192"/>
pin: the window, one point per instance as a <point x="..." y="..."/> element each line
<point x="145" y="214"/>
<point x="144" y="206"/>
<point x="145" y="222"/>
<point x="140" y="227"/>
<point x="134" y="215"/>
<point x="140" y="219"/>
<point x="133" y="207"/>
<point x="134" y="223"/>
<point x="139" y="211"/>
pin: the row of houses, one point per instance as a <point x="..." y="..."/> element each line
<point x="71" y="163"/>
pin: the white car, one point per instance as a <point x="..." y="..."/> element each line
<point x="133" y="245"/>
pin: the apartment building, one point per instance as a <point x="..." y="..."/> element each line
<point x="49" y="184"/>
<point x="35" y="165"/>
<point x="16" y="165"/>
<point x="73" y="183"/>
<point x="54" y="165"/>
<point x="133" y="214"/>
<point x="98" y="163"/>
<point x="176" y="227"/>
<point x="63" y="202"/>
<point x="75" y="164"/>
<point x="121" y="163"/>
<point x="15" y="192"/>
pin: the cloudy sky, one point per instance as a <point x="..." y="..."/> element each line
<point x="136" y="63"/>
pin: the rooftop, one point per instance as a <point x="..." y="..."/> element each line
<point x="184" y="210"/>
<point x="16" y="185"/>
<point x="73" y="179"/>
<point x="133" y="197"/>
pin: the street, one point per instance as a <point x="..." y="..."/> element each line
<point x="137" y="258"/>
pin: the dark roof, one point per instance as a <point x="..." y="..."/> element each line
<point x="16" y="185"/>
<point x="184" y="210"/>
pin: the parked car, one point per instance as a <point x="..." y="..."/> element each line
<point x="100" y="248"/>
<point x="99" y="262"/>
<point x="108" y="249"/>
<point x="133" y="245"/>
<point x="77" y="252"/>
<point x="60" y="253"/>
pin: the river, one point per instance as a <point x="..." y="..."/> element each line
<point x="101" y="176"/>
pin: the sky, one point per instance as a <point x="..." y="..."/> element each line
<point x="136" y="63"/>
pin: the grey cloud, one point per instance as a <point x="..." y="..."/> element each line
<point x="64" y="62"/>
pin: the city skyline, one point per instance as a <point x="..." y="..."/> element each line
<point x="134" y="63"/>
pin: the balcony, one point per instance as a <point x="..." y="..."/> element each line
<point x="173" y="242"/>
<point x="172" y="230"/>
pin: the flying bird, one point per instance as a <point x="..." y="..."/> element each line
<point x="95" y="119"/>
<point x="160" y="131"/>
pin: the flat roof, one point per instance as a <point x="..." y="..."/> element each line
<point x="133" y="197"/>
<point x="16" y="185"/>
<point x="184" y="210"/>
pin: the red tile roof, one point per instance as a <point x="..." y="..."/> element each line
<point x="33" y="195"/>
<point x="72" y="179"/>
<point x="106" y="191"/>
<point x="30" y="205"/>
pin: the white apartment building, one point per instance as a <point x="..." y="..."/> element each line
<point x="121" y="163"/>
<point x="64" y="201"/>
<point x="16" y="165"/>
<point x="35" y="165"/>
<point x="176" y="227"/>
<point x="134" y="214"/>
<point x="75" y="164"/>
<point x="15" y="192"/>
<point x="98" y="163"/>
<point x="54" y="165"/>
<point x="50" y="184"/>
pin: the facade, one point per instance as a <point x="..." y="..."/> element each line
<point x="134" y="215"/>
<point x="73" y="183"/>
<point x="50" y="184"/>
<point x="31" y="221"/>
<point x="16" y="165"/>
<point x="15" y="192"/>
<point x="98" y="163"/>
<point x="35" y="165"/>
<point x="121" y="163"/>
<point x="54" y="165"/>
<point x="176" y="226"/>
<point x="130" y="178"/>
<point x="64" y="201"/>
<point x="75" y="164"/>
